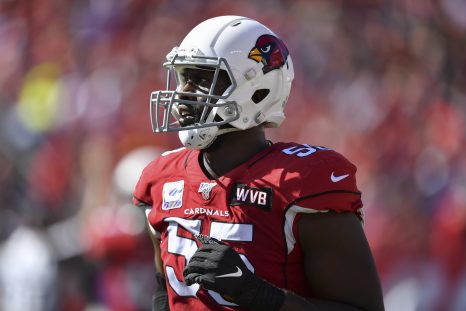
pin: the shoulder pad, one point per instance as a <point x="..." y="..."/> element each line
<point x="320" y="178"/>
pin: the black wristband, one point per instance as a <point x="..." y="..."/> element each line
<point x="261" y="296"/>
<point x="160" y="298"/>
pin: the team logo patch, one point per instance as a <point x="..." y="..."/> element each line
<point x="205" y="188"/>
<point x="258" y="197"/>
<point x="172" y="194"/>
<point x="270" y="51"/>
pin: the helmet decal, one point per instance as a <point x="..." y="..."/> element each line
<point x="269" y="50"/>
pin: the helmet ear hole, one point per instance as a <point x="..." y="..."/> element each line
<point x="259" y="95"/>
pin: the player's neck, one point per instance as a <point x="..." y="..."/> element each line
<point x="232" y="149"/>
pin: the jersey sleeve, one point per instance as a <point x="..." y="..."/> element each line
<point x="142" y="196"/>
<point x="329" y="184"/>
<point x="142" y="192"/>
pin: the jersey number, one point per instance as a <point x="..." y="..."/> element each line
<point x="186" y="247"/>
<point x="303" y="150"/>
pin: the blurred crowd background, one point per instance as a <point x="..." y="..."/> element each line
<point x="383" y="82"/>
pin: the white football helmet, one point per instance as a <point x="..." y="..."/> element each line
<point x="257" y="64"/>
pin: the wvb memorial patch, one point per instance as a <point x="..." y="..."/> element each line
<point x="258" y="197"/>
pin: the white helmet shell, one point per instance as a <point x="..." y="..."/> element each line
<point x="258" y="65"/>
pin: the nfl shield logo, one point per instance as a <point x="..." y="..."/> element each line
<point x="205" y="188"/>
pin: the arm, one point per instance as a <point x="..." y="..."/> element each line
<point x="160" y="298"/>
<point x="339" y="265"/>
<point x="156" y="243"/>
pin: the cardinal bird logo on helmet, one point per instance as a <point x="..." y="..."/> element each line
<point x="269" y="50"/>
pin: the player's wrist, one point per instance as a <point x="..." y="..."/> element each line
<point x="259" y="295"/>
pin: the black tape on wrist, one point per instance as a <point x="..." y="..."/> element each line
<point x="261" y="296"/>
<point x="160" y="298"/>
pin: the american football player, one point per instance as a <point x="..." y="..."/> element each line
<point x="239" y="222"/>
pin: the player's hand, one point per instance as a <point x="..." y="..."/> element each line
<point x="218" y="267"/>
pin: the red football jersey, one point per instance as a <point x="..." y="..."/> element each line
<point x="253" y="208"/>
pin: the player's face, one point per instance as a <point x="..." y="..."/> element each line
<point x="199" y="80"/>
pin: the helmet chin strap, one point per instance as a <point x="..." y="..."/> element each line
<point x="198" y="139"/>
<point x="202" y="138"/>
<point x="227" y="130"/>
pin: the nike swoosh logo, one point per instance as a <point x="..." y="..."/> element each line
<point x="338" y="178"/>
<point x="235" y="274"/>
